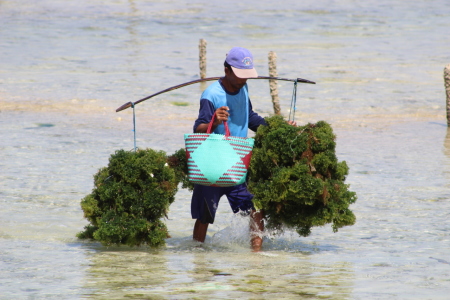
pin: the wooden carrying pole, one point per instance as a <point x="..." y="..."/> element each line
<point x="202" y="58"/>
<point x="129" y="104"/>
<point x="273" y="83"/>
<point x="447" y="89"/>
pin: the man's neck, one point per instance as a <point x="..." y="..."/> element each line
<point x="228" y="87"/>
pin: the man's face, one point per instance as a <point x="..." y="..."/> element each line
<point x="235" y="82"/>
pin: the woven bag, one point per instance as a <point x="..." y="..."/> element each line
<point x="217" y="159"/>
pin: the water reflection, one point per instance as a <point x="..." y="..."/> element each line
<point x="123" y="272"/>
<point x="203" y="272"/>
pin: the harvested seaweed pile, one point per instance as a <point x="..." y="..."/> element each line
<point x="294" y="174"/>
<point x="130" y="197"/>
<point x="296" y="177"/>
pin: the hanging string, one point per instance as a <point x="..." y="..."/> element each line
<point x="134" y="126"/>
<point x="293" y="103"/>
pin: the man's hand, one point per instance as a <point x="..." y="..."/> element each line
<point x="221" y="115"/>
<point x="293" y="123"/>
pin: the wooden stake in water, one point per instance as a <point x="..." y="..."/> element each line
<point x="447" y="89"/>
<point x="273" y="83"/>
<point x="202" y="58"/>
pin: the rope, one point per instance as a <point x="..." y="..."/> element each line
<point x="293" y="103"/>
<point x="134" y="126"/>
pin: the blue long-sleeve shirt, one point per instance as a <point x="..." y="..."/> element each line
<point x="241" y="114"/>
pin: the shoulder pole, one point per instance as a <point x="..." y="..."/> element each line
<point x="130" y="104"/>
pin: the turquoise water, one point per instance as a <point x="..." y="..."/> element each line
<point x="67" y="65"/>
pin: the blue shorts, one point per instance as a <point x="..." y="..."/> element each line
<point x="205" y="201"/>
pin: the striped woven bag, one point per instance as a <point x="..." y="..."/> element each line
<point x="217" y="159"/>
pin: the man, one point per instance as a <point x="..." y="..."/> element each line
<point x="229" y="99"/>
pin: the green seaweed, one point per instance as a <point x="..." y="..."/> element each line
<point x="297" y="179"/>
<point x="178" y="162"/>
<point x="129" y="198"/>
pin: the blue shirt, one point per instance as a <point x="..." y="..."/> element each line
<point x="241" y="115"/>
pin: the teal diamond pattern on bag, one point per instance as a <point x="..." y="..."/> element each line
<point x="214" y="158"/>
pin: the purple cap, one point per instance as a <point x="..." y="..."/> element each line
<point x="241" y="61"/>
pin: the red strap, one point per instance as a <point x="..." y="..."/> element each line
<point x="227" y="130"/>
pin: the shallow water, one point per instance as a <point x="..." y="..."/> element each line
<point x="66" y="67"/>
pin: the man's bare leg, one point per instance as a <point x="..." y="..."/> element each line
<point x="256" y="230"/>
<point x="200" y="230"/>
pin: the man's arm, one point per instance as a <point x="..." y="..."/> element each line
<point x="254" y="120"/>
<point x="205" y="114"/>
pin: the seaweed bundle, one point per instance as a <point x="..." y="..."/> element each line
<point x="129" y="198"/>
<point x="296" y="177"/>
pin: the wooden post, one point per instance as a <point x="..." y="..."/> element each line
<point x="273" y="83"/>
<point x="202" y="58"/>
<point x="447" y="89"/>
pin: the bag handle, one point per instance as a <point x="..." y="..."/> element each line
<point x="227" y="130"/>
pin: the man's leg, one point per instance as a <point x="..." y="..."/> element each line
<point x="204" y="203"/>
<point x="200" y="230"/>
<point x="256" y="230"/>
<point x="240" y="199"/>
